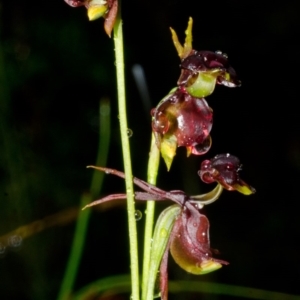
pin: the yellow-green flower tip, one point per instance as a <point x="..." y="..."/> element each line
<point x="168" y="148"/>
<point x="188" y="47"/>
<point x="184" y="51"/>
<point x="96" y="12"/>
<point x="244" y="189"/>
<point x="202" y="268"/>
<point x="188" y="151"/>
<point x="208" y="266"/>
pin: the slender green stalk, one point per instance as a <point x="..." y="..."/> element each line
<point x="119" y="53"/>
<point x="83" y="217"/>
<point x="76" y="250"/>
<point x="153" y="165"/>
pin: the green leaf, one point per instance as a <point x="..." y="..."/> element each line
<point x="162" y="231"/>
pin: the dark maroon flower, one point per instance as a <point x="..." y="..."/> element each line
<point x="99" y="8"/>
<point x="182" y="120"/>
<point x="181" y="228"/>
<point x="202" y="70"/>
<point x="189" y="245"/>
<point x="224" y="168"/>
<point x="213" y="63"/>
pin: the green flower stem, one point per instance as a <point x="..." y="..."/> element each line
<point x="209" y="197"/>
<point x="83" y="217"/>
<point x="153" y="165"/>
<point x="161" y="236"/>
<point x="118" y="39"/>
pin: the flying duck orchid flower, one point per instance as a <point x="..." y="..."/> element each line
<point x="99" y="8"/>
<point x="181" y="229"/>
<point x="182" y="120"/>
<point x="224" y="169"/>
<point x="202" y="70"/>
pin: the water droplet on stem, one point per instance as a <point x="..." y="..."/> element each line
<point x="2" y="249"/>
<point x="15" y="241"/>
<point x="129" y="132"/>
<point x="138" y="215"/>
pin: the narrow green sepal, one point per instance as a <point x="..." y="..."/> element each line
<point x="244" y="189"/>
<point x="168" y="149"/>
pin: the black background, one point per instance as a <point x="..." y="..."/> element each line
<point x="58" y="66"/>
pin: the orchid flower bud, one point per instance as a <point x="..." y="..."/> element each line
<point x="224" y="168"/>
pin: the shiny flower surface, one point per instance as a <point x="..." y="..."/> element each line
<point x="99" y="8"/>
<point x="224" y="169"/>
<point x="181" y="229"/>
<point x="190" y="245"/>
<point x="201" y="70"/>
<point x="182" y="120"/>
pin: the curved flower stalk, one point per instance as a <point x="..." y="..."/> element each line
<point x="107" y="9"/>
<point x="182" y="228"/>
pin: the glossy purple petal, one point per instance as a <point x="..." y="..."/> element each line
<point x="190" y="243"/>
<point x="224" y="168"/>
<point x="208" y="61"/>
<point x="188" y="118"/>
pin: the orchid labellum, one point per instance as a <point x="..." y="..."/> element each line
<point x="181" y="228"/>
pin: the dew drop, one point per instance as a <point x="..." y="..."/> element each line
<point x="2" y="249"/>
<point x="163" y="232"/>
<point x="138" y="215"/>
<point x="15" y="241"/>
<point x="129" y="132"/>
<point x="195" y="224"/>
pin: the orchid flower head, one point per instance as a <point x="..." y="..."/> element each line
<point x="181" y="229"/>
<point x="224" y="169"/>
<point x="99" y="8"/>
<point x="182" y="120"/>
<point x="202" y="70"/>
